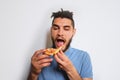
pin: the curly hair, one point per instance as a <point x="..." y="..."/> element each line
<point x="63" y="14"/>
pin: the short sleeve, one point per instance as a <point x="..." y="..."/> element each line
<point x="86" y="71"/>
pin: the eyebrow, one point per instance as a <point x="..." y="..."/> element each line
<point x="66" y="26"/>
<point x="58" y="25"/>
<point x="55" y="25"/>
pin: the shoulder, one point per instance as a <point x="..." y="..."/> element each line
<point x="78" y="51"/>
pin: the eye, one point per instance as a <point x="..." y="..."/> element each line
<point x="66" y="28"/>
<point x="55" y="27"/>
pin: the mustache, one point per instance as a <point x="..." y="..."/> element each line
<point x="67" y="46"/>
<point x="60" y="38"/>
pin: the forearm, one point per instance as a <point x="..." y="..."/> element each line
<point x="32" y="76"/>
<point x="73" y="75"/>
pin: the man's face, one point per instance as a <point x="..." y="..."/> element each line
<point x="62" y="32"/>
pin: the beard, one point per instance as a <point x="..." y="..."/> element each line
<point x="67" y="46"/>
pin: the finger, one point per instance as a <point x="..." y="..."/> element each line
<point x="45" y="61"/>
<point x="39" y="67"/>
<point x="44" y="65"/>
<point x="61" y="52"/>
<point x="40" y="64"/>
<point x="42" y="57"/>
<point x="58" y="59"/>
<point x="38" y="52"/>
<point x="61" y="67"/>
<point x="62" y="56"/>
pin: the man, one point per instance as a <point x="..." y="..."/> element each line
<point x="69" y="63"/>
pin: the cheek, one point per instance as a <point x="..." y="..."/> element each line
<point x="68" y="36"/>
<point x="53" y="34"/>
<point x="69" y="33"/>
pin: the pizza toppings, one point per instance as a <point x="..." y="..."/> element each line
<point x="52" y="51"/>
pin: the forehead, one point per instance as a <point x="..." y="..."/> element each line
<point x="62" y="21"/>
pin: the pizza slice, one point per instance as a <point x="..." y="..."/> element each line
<point x="52" y="51"/>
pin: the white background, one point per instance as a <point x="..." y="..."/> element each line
<point x="24" y="28"/>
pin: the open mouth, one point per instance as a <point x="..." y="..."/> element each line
<point x="60" y="42"/>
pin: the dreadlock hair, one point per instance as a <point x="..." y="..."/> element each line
<point x="63" y="14"/>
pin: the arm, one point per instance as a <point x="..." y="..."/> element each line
<point x="32" y="76"/>
<point x="38" y="61"/>
<point x="87" y="79"/>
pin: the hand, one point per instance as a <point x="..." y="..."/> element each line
<point x="39" y="60"/>
<point x="66" y="65"/>
<point x="63" y="61"/>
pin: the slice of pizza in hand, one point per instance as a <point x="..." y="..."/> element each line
<point x="52" y="51"/>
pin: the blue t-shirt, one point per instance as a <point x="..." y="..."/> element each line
<point x="81" y="61"/>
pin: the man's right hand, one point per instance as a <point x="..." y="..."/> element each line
<point x="38" y="61"/>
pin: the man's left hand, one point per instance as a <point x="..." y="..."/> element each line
<point x="63" y="61"/>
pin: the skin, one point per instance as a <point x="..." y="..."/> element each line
<point x="38" y="61"/>
<point x="61" y="29"/>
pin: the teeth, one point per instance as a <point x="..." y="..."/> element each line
<point x="59" y="40"/>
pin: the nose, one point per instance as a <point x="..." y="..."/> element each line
<point x="60" y="32"/>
